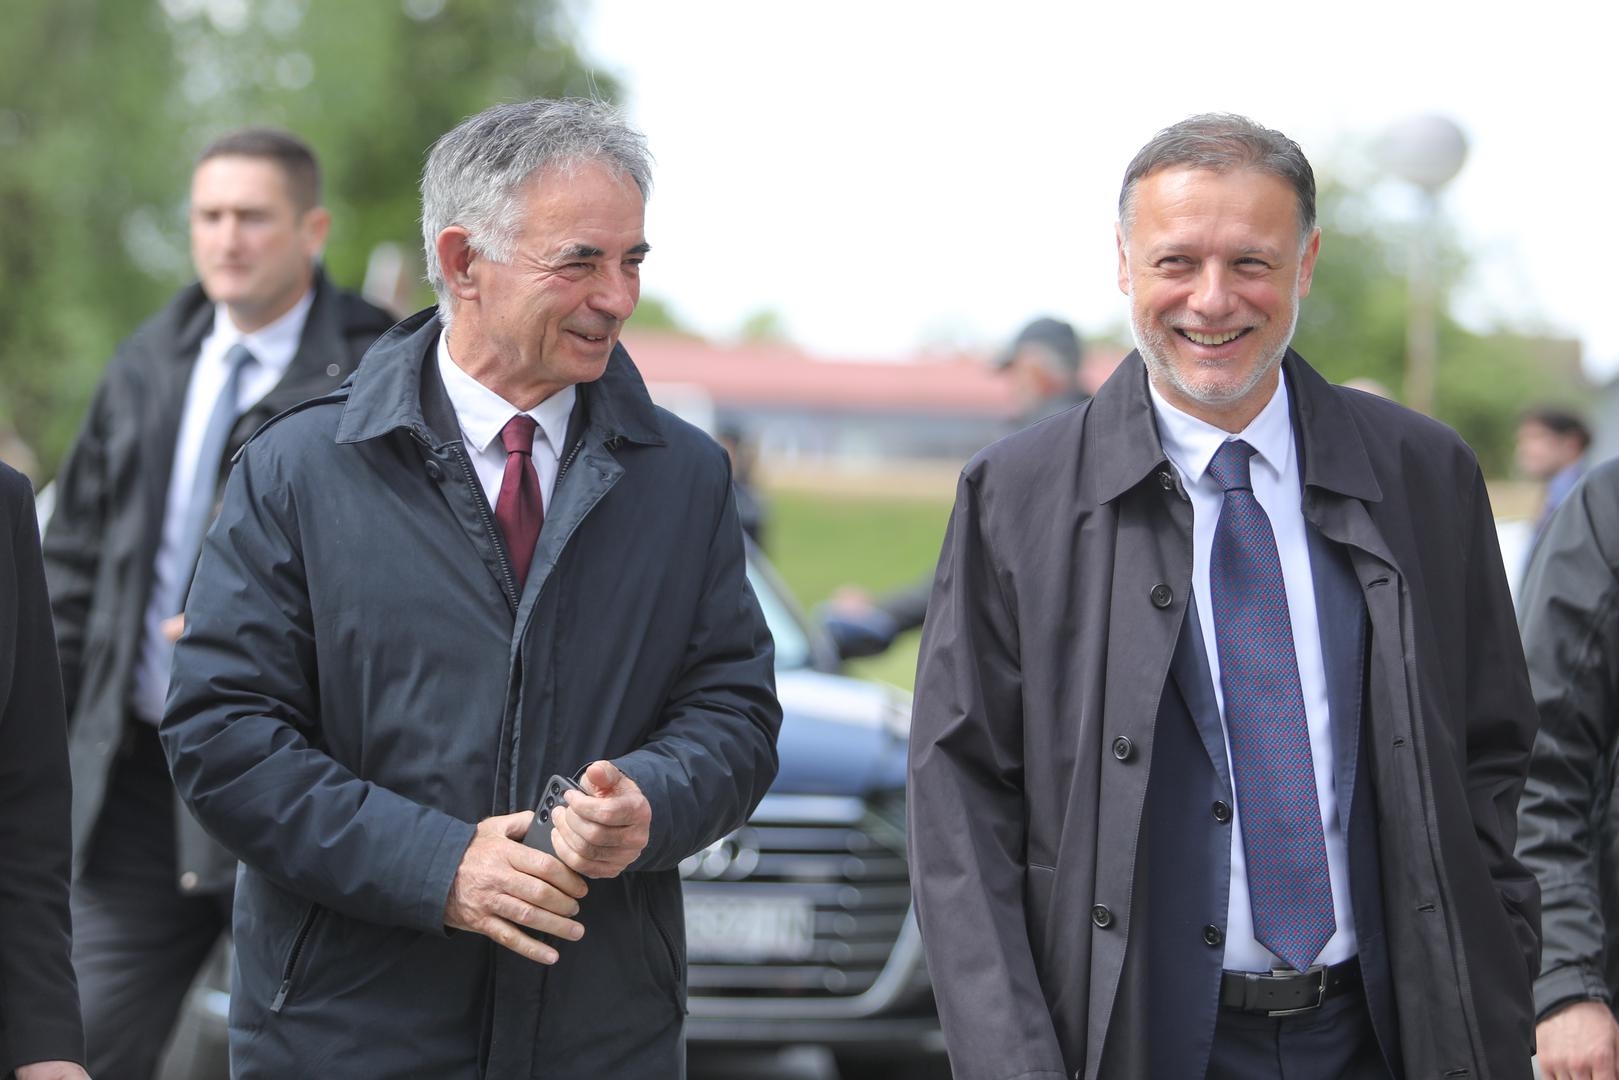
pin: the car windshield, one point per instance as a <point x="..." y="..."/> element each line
<point x="792" y="640"/>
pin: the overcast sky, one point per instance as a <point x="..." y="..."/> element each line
<point x="893" y="175"/>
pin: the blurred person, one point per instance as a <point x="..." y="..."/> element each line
<point x="1047" y="369"/>
<point x="1551" y="451"/>
<point x="1044" y="364"/>
<point x="1569" y="817"/>
<point x="1220" y="713"/>
<point x="261" y="330"/>
<point x="41" y="1036"/>
<point x="487" y="560"/>
<point x="751" y="508"/>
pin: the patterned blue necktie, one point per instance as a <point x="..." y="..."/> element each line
<point x="1272" y="768"/>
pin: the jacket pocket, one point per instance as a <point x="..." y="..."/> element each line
<point x="674" y="951"/>
<point x="296" y="960"/>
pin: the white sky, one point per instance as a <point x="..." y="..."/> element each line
<point x="893" y="175"/>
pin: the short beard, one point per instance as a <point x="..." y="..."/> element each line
<point x="1155" y="350"/>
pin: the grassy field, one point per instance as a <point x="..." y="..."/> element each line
<point x="820" y="540"/>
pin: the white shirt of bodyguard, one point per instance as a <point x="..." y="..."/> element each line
<point x="1191" y="444"/>
<point x="273" y="347"/>
<point x="482" y="413"/>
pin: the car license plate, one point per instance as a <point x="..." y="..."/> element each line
<point x="725" y="928"/>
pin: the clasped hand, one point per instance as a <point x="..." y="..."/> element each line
<point x="503" y="887"/>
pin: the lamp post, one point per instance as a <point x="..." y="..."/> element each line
<point x="1426" y="152"/>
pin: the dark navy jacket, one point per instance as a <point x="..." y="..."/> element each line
<point x="1187" y="848"/>
<point x="359" y="683"/>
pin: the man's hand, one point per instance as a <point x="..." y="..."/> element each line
<point x="172" y="627"/>
<point x="52" y="1070"/>
<point x="601" y="833"/>
<point x="1580" y="1042"/>
<point x="502" y="886"/>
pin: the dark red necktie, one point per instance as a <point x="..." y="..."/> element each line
<point x="519" y="509"/>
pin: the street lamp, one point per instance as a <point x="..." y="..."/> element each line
<point x="1426" y="152"/>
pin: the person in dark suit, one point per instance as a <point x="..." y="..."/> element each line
<point x="259" y="332"/>
<point x="41" y="1037"/>
<point x="1221" y="716"/>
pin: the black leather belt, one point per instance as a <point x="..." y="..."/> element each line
<point x="1287" y="992"/>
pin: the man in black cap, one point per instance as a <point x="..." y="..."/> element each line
<point x="1043" y="364"/>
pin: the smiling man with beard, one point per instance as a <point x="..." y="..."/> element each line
<point x="1214" y="774"/>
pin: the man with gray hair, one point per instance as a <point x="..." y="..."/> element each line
<point x="1214" y="775"/>
<point x="487" y="561"/>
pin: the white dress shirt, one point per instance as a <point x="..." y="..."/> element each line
<point x="1191" y="444"/>
<point x="273" y="347"/>
<point x="482" y="413"/>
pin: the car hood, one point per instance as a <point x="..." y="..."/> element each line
<point x="840" y="736"/>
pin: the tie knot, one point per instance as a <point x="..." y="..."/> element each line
<point x="518" y="434"/>
<point x="237" y="357"/>
<point x="1229" y="466"/>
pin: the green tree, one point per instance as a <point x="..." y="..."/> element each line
<point x="95" y="156"/>
<point x="1353" y="325"/>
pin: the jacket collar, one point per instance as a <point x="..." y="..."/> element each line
<point x="193" y="315"/>
<point x="1125" y="447"/>
<point x="385" y="392"/>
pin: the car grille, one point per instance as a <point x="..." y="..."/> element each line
<point x="857" y="949"/>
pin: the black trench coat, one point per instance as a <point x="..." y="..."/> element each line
<point x="1044" y="644"/>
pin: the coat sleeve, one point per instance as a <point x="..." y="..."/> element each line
<point x="39" y="997"/>
<point x="241" y="730"/>
<point x="1500" y="727"/>
<point x="966" y="815"/>
<point x="73" y="539"/>
<point x="1570" y="613"/>
<point x="712" y="757"/>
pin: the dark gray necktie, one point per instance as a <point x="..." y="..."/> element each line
<point x="199" y="510"/>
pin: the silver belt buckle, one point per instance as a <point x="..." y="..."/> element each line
<point x="1320" y="972"/>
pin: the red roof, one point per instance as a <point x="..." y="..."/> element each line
<point x="774" y="374"/>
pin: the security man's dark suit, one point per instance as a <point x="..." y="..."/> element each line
<point x="161" y="883"/>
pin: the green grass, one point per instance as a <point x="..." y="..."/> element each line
<point x="821" y="541"/>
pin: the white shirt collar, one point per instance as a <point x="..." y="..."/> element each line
<point x="482" y="413"/>
<point x="1191" y="443"/>
<point x="273" y="345"/>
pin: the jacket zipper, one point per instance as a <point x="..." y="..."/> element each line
<point x="506" y="575"/>
<point x="562" y="470"/>
<point x="293" y="957"/>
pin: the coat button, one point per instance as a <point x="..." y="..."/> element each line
<point x="332" y="370"/>
<point x="1222" y="812"/>
<point x="188" y="880"/>
<point x="1123" y="748"/>
<point x="1101" y="916"/>
<point x="1212" y="936"/>
<point x="1162" y="595"/>
<point x="435" y="470"/>
<point x="1166" y="481"/>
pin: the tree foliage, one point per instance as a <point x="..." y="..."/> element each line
<point x="104" y="104"/>
<point x="1353" y="325"/>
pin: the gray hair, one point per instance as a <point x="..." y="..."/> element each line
<point x="475" y="172"/>
<point x="1222" y="142"/>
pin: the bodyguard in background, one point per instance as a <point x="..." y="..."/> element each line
<point x="260" y="331"/>
<point x="1213" y="774"/>
<point x="40" y="1034"/>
